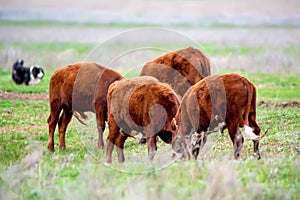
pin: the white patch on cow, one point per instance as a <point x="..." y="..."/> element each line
<point x="250" y="134"/>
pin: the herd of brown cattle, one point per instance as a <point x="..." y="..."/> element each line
<point x="175" y="98"/>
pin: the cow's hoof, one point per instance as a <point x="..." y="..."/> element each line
<point x="257" y="156"/>
<point x="63" y="148"/>
<point x="100" y="146"/>
<point x="51" y="148"/>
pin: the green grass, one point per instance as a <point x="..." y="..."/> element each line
<point x="270" y="87"/>
<point x="41" y="23"/>
<point x="7" y="84"/>
<point x="81" y="48"/>
<point x="276" y="87"/>
<point x="219" y="50"/>
<point x="29" y="171"/>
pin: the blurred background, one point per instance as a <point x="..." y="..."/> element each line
<point x="255" y="36"/>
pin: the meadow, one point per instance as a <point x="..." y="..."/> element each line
<point x="29" y="171"/>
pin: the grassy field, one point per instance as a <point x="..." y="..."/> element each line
<point x="40" y="23"/>
<point x="29" y="171"/>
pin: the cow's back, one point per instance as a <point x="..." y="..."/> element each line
<point x="119" y="94"/>
<point x="75" y="85"/>
<point x="219" y="96"/>
<point x="62" y="83"/>
<point x="130" y="101"/>
<point x="180" y="69"/>
<point x="85" y="85"/>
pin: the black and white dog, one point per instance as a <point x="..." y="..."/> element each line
<point x="28" y="75"/>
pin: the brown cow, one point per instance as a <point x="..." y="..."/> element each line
<point x="76" y="89"/>
<point x="215" y="103"/>
<point x="141" y="104"/>
<point x="180" y="69"/>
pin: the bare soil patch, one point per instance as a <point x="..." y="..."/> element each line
<point x="280" y="104"/>
<point x="43" y="97"/>
<point x="26" y="97"/>
<point x="29" y="128"/>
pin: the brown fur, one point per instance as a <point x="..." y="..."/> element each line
<point x="228" y="98"/>
<point x="180" y="69"/>
<point x="140" y="104"/>
<point x="78" y="88"/>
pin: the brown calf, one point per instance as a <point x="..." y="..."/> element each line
<point x="215" y="103"/>
<point x="180" y="69"/>
<point x="76" y="89"/>
<point x="140" y="104"/>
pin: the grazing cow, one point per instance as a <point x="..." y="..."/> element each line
<point x="180" y="69"/>
<point x="78" y="88"/>
<point x="141" y="104"/>
<point x="28" y="75"/>
<point x="215" y="103"/>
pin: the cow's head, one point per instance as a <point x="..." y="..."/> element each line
<point x="197" y="141"/>
<point x="179" y="144"/>
<point x="167" y="136"/>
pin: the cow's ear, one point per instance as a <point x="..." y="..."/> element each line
<point x="173" y="124"/>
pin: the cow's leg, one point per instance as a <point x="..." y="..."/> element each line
<point x="151" y="139"/>
<point x="120" y="147"/>
<point x="195" y="152"/>
<point x="114" y="132"/>
<point x="236" y="138"/>
<point x="151" y="143"/>
<point x="199" y="145"/>
<point x="256" y="153"/>
<point x="179" y="144"/>
<point x="256" y="130"/>
<point x="52" y="121"/>
<point x="63" y="122"/>
<point x="109" y="149"/>
<point x="143" y="139"/>
<point x="100" y="117"/>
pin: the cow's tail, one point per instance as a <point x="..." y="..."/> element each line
<point x="81" y="117"/>
<point x="248" y="130"/>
